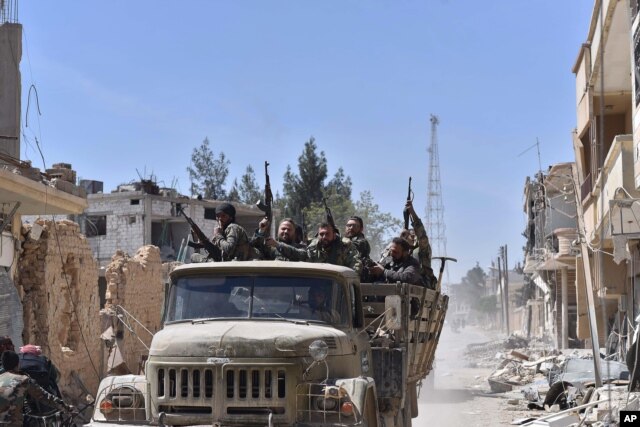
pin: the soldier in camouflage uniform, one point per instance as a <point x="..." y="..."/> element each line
<point x="424" y="247"/>
<point x="14" y="388"/>
<point x="354" y="232"/>
<point x="399" y="266"/>
<point x="231" y="238"/>
<point x="269" y="248"/>
<point x="328" y="247"/>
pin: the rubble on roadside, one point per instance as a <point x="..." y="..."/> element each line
<point x="558" y="388"/>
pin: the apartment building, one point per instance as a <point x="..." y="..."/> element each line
<point x="607" y="169"/>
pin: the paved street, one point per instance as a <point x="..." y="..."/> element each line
<point x="459" y="395"/>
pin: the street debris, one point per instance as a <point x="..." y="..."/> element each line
<point x="558" y="388"/>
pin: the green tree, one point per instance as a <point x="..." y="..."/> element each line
<point x="301" y="190"/>
<point x="234" y="193"/>
<point x="379" y="227"/>
<point x="339" y="185"/>
<point x="473" y="285"/>
<point x="207" y="173"/>
<point x="248" y="189"/>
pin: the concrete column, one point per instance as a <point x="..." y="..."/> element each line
<point x="10" y="90"/>
<point x="565" y="308"/>
<point x="147" y="219"/>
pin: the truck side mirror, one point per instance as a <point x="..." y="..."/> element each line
<point x="392" y="312"/>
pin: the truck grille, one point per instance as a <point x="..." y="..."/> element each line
<point x="255" y="383"/>
<point x="185" y="383"/>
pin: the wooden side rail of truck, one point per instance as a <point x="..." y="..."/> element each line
<point x="404" y="356"/>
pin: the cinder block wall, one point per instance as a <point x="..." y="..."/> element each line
<point x="136" y="283"/>
<point x="58" y="283"/>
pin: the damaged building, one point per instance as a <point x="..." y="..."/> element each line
<point x="607" y="171"/>
<point x="582" y="227"/>
<point x="550" y="256"/>
<point x="141" y="214"/>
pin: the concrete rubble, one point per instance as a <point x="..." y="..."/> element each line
<point x="60" y="176"/>
<point x="557" y="388"/>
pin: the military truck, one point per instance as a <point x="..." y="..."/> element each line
<point x="271" y="343"/>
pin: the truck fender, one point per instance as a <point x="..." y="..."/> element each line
<point x="357" y="389"/>
<point x="113" y="384"/>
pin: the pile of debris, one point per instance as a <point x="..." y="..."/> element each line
<point x="563" y="385"/>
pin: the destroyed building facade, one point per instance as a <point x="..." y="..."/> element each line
<point x="595" y="202"/>
<point x="605" y="143"/>
<point x="550" y="256"/>
<point x="139" y="214"/>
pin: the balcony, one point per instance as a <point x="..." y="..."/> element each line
<point x="616" y="175"/>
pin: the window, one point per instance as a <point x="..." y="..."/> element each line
<point x="307" y="299"/>
<point x="135" y="201"/>
<point x="95" y="225"/>
<point x="209" y="213"/>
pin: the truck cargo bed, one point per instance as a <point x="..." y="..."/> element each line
<point x="422" y="317"/>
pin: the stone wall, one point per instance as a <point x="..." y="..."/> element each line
<point x="136" y="284"/>
<point x="57" y="281"/>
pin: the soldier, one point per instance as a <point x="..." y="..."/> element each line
<point x="330" y="248"/>
<point x="270" y="248"/>
<point x="353" y="231"/>
<point x="399" y="266"/>
<point x="231" y="238"/>
<point x="14" y="387"/>
<point x="423" y="253"/>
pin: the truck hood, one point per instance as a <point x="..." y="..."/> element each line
<point x="245" y="339"/>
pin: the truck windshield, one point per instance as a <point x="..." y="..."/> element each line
<point x="269" y="297"/>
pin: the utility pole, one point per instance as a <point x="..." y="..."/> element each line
<point x="506" y="288"/>
<point x="586" y="262"/>
<point x="501" y="293"/>
<point x="435" y="209"/>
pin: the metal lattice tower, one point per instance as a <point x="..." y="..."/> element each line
<point x="435" y="209"/>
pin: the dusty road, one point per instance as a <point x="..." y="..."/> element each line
<point x="461" y="393"/>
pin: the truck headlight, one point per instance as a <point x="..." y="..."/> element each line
<point x="324" y="404"/>
<point x="318" y="350"/>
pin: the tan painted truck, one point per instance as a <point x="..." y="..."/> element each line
<point x="269" y="343"/>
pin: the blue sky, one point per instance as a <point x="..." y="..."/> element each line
<point x="137" y="85"/>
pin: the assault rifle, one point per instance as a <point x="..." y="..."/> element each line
<point x="266" y="207"/>
<point x="405" y="212"/>
<point x="330" y="220"/>
<point x="203" y="241"/>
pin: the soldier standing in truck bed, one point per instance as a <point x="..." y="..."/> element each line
<point x="230" y="237"/>
<point x="353" y="231"/>
<point x="328" y="247"/>
<point x="422" y="245"/>
<point x="398" y="266"/>
<point x="269" y="248"/>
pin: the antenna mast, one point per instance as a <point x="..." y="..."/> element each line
<point x="435" y="209"/>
